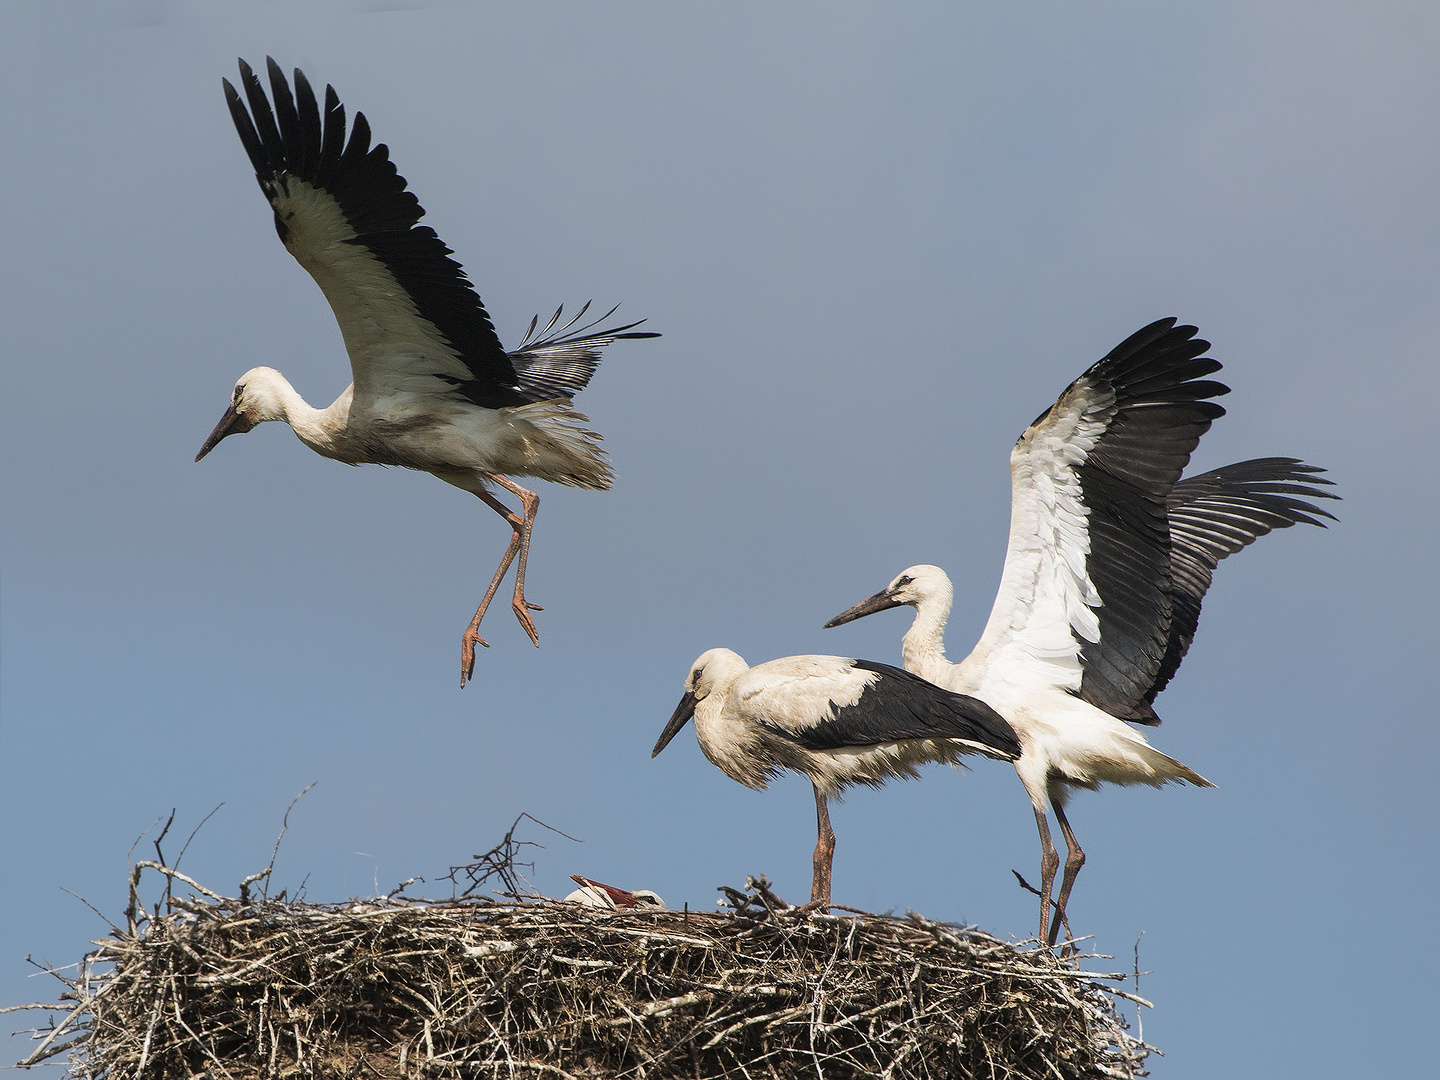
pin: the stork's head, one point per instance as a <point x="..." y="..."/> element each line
<point x="923" y="584"/>
<point x="712" y="673"/>
<point x="259" y="395"/>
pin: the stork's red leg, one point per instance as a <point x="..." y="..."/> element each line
<point x="519" y="543"/>
<point x="824" y="852"/>
<point x="1074" y="860"/>
<point x="531" y="502"/>
<point x="1049" y="863"/>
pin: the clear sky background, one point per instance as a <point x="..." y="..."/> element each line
<point x="878" y="239"/>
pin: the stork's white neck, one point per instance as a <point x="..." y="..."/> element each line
<point x="323" y="430"/>
<point x="923" y="648"/>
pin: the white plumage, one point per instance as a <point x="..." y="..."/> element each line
<point x="837" y="720"/>
<point x="433" y="388"/>
<point x="1109" y="559"/>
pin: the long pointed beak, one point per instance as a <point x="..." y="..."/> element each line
<point x="683" y="712"/>
<point x="879" y="602"/>
<point x="233" y="422"/>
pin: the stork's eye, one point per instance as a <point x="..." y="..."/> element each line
<point x="905" y="579"/>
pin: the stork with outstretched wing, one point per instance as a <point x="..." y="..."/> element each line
<point x="433" y="387"/>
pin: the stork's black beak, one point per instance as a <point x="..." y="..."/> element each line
<point x="879" y="602"/>
<point x="234" y="422"/>
<point x="683" y="712"/>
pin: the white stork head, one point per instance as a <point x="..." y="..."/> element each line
<point x="713" y="672"/>
<point x="923" y="584"/>
<point x="260" y="394"/>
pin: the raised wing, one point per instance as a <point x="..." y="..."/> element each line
<point x="1213" y="516"/>
<point x="558" y="363"/>
<point x="412" y="322"/>
<point x="1084" y="601"/>
<point x="866" y="704"/>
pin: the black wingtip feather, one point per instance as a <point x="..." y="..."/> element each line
<point x="270" y="140"/>
<point x="1218" y="513"/>
<point x="293" y="140"/>
<point x="249" y="138"/>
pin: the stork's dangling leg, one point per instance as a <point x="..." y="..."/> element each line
<point x="519" y="544"/>
<point x="531" y="502"/>
<point x="824" y="851"/>
<point x="1074" y="860"/>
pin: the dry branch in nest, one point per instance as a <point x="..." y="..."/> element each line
<point x="530" y="987"/>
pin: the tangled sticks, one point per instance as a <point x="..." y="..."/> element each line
<point x="529" y="986"/>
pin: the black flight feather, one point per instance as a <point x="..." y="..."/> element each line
<point x="900" y="706"/>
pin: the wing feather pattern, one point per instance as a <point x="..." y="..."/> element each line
<point x="1214" y="515"/>
<point x="868" y="704"/>
<point x="1084" y="601"/>
<point x="559" y="363"/>
<point x="411" y="320"/>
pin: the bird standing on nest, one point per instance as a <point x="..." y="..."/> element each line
<point x="1109" y="559"/>
<point x="433" y="387"/>
<point x="838" y="721"/>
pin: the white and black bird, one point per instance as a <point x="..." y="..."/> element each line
<point x="433" y="387"/>
<point x="1109" y="560"/>
<point x="838" y="721"/>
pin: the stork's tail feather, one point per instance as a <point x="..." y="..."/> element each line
<point x="557" y="434"/>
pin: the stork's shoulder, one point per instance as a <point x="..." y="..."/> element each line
<point x="811" y="674"/>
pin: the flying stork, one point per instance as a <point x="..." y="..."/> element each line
<point x="837" y="720"/>
<point x="433" y="387"/>
<point x="1109" y="560"/>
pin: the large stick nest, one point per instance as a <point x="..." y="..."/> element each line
<point x="252" y="987"/>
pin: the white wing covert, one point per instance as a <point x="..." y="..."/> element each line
<point x="1084" y="600"/>
<point x="832" y="703"/>
<point x="412" y="322"/>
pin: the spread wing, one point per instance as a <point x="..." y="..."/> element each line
<point x="412" y="322"/>
<point x="1213" y="516"/>
<point x="1085" y="597"/>
<point x="557" y="363"/>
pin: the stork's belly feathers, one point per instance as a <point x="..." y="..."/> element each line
<point x="833" y="770"/>
<point x="456" y="441"/>
<point x="747" y="755"/>
<point x="1064" y="738"/>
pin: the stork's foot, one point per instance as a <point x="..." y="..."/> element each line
<point x="522" y="609"/>
<point x="468" y="642"/>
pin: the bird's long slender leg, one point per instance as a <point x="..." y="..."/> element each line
<point x="531" y="503"/>
<point x="519" y="543"/>
<point x="1074" y="860"/>
<point x="824" y="851"/>
<point x="1049" y="863"/>
<point x="472" y="637"/>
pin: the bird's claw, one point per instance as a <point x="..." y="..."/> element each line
<point x="467" y="655"/>
<point x="526" y="623"/>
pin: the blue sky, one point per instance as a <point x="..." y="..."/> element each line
<point x="878" y="239"/>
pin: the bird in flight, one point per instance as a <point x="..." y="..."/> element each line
<point x="433" y="389"/>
